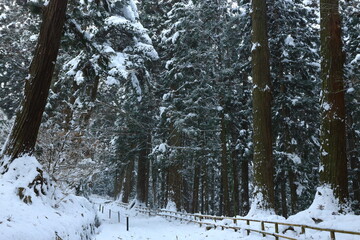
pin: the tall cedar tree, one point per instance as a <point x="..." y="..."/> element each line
<point x="333" y="169"/>
<point x="26" y="126"/>
<point x="263" y="160"/>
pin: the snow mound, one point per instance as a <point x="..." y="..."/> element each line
<point x="325" y="212"/>
<point x="171" y="206"/>
<point x="324" y="206"/>
<point x="35" y="209"/>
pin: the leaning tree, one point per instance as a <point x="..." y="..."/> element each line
<point x="24" y="133"/>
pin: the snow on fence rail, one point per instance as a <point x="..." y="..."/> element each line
<point x="262" y="224"/>
<point x="199" y="219"/>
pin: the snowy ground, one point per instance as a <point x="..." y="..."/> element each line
<point x="142" y="227"/>
<point x="43" y="217"/>
<point x="52" y="214"/>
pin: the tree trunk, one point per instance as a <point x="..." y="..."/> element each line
<point x="92" y="92"/>
<point x="118" y="185"/>
<point x="353" y="155"/>
<point x="244" y="192"/>
<point x="23" y="136"/>
<point x="128" y="181"/>
<point x="293" y="193"/>
<point x="235" y="172"/>
<point x="195" y="195"/>
<point x="174" y="178"/>
<point x="285" y="147"/>
<point x="262" y="138"/>
<point x="284" y="209"/>
<point x="204" y="188"/>
<point x="141" y="187"/>
<point x="333" y="169"/>
<point x="245" y="204"/>
<point x="224" y="187"/>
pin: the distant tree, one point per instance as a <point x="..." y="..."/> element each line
<point x="295" y="72"/>
<point x="333" y="167"/>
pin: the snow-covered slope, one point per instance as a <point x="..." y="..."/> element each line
<point x="45" y="217"/>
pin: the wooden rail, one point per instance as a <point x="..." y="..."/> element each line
<point x="177" y="215"/>
<point x="198" y="219"/>
<point x="235" y="228"/>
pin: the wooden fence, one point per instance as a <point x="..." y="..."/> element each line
<point x="200" y="219"/>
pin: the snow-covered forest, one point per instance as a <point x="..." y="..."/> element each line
<point x="212" y="107"/>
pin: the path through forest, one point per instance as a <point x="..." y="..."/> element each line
<point x="142" y="227"/>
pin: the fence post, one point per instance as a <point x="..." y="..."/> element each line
<point x="102" y="209"/>
<point x="118" y="216"/>
<point x="99" y="207"/>
<point x="235" y="220"/>
<point x="127" y="223"/>
<point x="332" y="235"/>
<point x="302" y="230"/>
<point x="109" y="213"/>
<point x="248" y="223"/>
<point x="276" y="228"/>
<point x="263" y="228"/>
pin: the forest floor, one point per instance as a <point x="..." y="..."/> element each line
<point x="143" y="227"/>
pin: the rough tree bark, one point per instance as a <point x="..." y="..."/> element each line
<point x="263" y="160"/>
<point x="333" y="169"/>
<point x="24" y="133"/>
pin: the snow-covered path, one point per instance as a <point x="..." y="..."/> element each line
<point x="143" y="227"/>
<point x="157" y="228"/>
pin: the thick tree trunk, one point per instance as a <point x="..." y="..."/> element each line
<point x="26" y="126"/>
<point x="263" y="160"/>
<point x="333" y="169"/>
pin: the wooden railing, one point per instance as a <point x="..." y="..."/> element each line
<point x="199" y="219"/>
